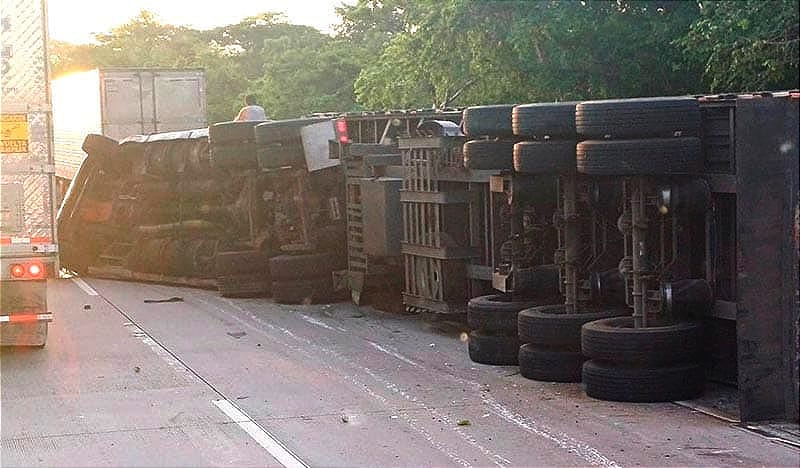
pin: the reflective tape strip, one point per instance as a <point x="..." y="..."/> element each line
<point x="26" y="318"/>
<point x="24" y="240"/>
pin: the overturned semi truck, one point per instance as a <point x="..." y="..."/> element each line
<point x="657" y="238"/>
<point x="245" y="207"/>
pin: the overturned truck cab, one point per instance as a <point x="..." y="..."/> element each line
<point x="219" y="208"/>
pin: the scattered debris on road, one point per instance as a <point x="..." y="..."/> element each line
<point x="163" y="301"/>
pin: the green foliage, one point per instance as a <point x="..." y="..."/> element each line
<point x="315" y="75"/>
<point x="746" y="45"/>
<point x="67" y="58"/>
<point x="390" y="54"/>
<point x="477" y="52"/>
<point x="295" y="70"/>
<point x="145" y="42"/>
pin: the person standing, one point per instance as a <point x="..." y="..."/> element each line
<point x="251" y="110"/>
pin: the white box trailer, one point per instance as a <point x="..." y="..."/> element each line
<point x="28" y="244"/>
<point x="122" y="102"/>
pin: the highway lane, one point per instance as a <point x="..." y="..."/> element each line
<point x="327" y="385"/>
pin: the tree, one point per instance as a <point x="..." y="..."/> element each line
<point x="294" y="70"/>
<point x="746" y="45"/>
<point x="67" y="58"/>
<point x="145" y="42"/>
<point x="476" y="52"/>
<point x="312" y="77"/>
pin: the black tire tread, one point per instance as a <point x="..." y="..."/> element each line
<point x="490" y="314"/>
<point x="550" y="327"/>
<point x="243" y="285"/>
<point x="489" y="154"/>
<point x="283" y="130"/>
<point x="656" y="156"/>
<point x="540" y="120"/>
<point x="240" y="156"/>
<point x="494" y="350"/>
<point x="548" y="365"/>
<point x="293" y="267"/>
<point x="641" y="384"/>
<point x="303" y="291"/>
<point x="233" y="132"/>
<point x="494" y="120"/>
<point x="234" y="262"/>
<point x="615" y="340"/>
<point x="638" y="118"/>
<point x="544" y="157"/>
<point x="105" y="146"/>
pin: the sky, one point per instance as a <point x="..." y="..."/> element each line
<point x="77" y="20"/>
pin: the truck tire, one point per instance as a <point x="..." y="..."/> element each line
<point x="240" y="262"/>
<point x="551" y="327"/>
<point x="294" y="267"/>
<point x="233" y="157"/>
<point x="489" y="155"/>
<point x="541" y="120"/>
<point x="100" y="146"/>
<point x="333" y="238"/>
<point x="544" y="157"/>
<point x="495" y="313"/>
<point x="642" y="384"/>
<point x="616" y="340"/>
<point x="276" y="156"/>
<point x="495" y="350"/>
<point x="488" y="121"/>
<point x="233" y="132"/>
<point x="303" y="291"/>
<point x="550" y="365"/>
<point x="247" y="285"/>
<point x="638" y="118"/>
<point x="660" y="156"/>
<point x="283" y="130"/>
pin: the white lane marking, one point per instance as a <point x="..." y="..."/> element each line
<point x="411" y="421"/>
<point x="168" y="358"/>
<point x="393" y="354"/>
<point x="261" y="436"/>
<point x="317" y="322"/>
<point x="586" y="452"/>
<point x="85" y="286"/>
<point x="407" y="418"/>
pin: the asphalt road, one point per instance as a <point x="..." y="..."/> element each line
<point x="246" y="382"/>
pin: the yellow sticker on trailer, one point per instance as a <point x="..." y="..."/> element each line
<point x="14" y="133"/>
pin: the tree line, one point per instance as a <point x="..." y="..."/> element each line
<point x="401" y="54"/>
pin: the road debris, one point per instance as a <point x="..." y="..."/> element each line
<point x="163" y="301"/>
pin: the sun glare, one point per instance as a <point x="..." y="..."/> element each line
<point x="78" y="21"/>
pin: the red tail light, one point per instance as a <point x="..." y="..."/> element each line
<point x="36" y="270"/>
<point x="341" y="131"/>
<point x="17" y="271"/>
<point x="30" y="270"/>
